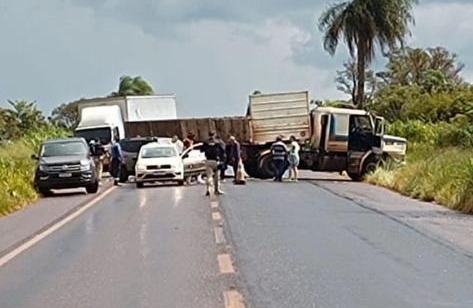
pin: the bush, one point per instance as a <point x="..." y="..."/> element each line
<point x="445" y="177"/>
<point x="17" y="169"/>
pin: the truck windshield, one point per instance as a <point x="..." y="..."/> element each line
<point x="63" y="149"/>
<point x="103" y="134"/>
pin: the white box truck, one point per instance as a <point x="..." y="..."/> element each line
<point x="105" y="118"/>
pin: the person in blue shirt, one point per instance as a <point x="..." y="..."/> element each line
<point x="117" y="160"/>
<point x="279" y="154"/>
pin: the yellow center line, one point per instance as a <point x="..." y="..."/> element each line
<point x="216" y="216"/>
<point x="225" y="264"/>
<point x="233" y="299"/>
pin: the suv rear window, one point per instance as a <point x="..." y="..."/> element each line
<point x="133" y="146"/>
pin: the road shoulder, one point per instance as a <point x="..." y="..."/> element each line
<point x="447" y="225"/>
<point x="21" y="226"/>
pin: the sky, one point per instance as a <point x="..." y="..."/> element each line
<point x="211" y="53"/>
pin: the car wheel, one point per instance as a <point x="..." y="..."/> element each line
<point x="93" y="188"/>
<point x="139" y="184"/>
<point x="45" y="192"/>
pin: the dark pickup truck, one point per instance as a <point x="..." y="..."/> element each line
<point x="65" y="163"/>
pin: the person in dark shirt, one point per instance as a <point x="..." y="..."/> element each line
<point x="117" y="160"/>
<point x="279" y="154"/>
<point x="214" y="150"/>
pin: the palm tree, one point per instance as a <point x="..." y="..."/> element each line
<point x="364" y="24"/>
<point x="133" y="86"/>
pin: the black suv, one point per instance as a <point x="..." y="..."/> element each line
<point x="65" y="163"/>
<point x="130" y="148"/>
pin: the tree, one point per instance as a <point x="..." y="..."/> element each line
<point x="66" y="115"/>
<point x="27" y="115"/>
<point x="363" y="24"/>
<point x="412" y="66"/>
<point x="347" y="81"/>
<point x="133" y="86"/>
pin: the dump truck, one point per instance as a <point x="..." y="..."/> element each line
<point x="331" y="139"/>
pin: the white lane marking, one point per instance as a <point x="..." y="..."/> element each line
<point x="214" y="204"/>
<point x="36" y="239"/>
<point x="216" y="216"/>
<point x="143" y="199"/>
<point x="233" y="299"/>
<point x="225" y="264"/>
<point x="219" y="235"/>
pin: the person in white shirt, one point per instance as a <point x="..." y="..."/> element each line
<point x="178" y="143"/>
<point x="293" y="159"/>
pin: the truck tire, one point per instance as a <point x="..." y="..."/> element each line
<point x="252" y="170"/>
<point x="266" y="171"/>
<point x="139" y="185"/>
<point x="370" y="165"/>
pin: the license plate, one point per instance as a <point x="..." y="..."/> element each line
<point x="65" y="175"/>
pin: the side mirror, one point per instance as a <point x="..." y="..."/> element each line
<point x="34" y="157"/>
<point x="379" y="126"/>
<point x="183" y="156"/>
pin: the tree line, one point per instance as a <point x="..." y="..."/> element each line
<point x="24" y="116"/>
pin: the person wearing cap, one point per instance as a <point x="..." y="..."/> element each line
<point x="214" y="151"/>
<point x="279" y="154"/>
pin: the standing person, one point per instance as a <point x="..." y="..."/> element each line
<point x="189" y="141"/>
<point x="214" y="151"/>
<point x="234" y="155"/>
<point x="279" y="156"/>
<point x="293" y="159"/>
<point x="117" y="160"/>
<point x="178" y="143"/>
<point x="98" y="154"/>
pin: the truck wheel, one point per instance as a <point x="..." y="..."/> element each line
<point x="93" y="188"/>
<point x="139" y="185"/>
<point x="369" y="166"/>
<point x="266" y="171"/>
<point x="252" y="170"/>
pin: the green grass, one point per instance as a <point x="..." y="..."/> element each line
<point x="442" y="175"/>
<point x="17" y="170"/>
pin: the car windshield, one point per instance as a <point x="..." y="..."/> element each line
<point x="63" y="149"/>
<point x="132" y="146"/>
<point x="157" y="152"/>
<point x="103" y="134"/>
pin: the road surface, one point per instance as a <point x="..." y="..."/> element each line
<point x="300" y="244"/>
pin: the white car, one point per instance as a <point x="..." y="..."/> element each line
<point x="159" y="162"/>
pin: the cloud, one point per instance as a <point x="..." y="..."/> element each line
<point x="211" y="53"/>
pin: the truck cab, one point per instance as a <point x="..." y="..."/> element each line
<point x="344" y="140"/>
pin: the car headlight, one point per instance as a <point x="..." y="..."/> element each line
<point x="43" y="168"/>
<point x="84" y="165"/>
<point x="140" y="167"/>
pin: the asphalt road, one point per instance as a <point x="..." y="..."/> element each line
<point x="277" y="244"/>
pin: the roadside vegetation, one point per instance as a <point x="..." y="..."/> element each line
<point x="22" y="129"/>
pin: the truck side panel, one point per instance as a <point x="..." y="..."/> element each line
<point x="283" y="114"/>
<point x="224" y="127"/>
<point x="108" y="101"/>
<point x="151" y="108"/>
